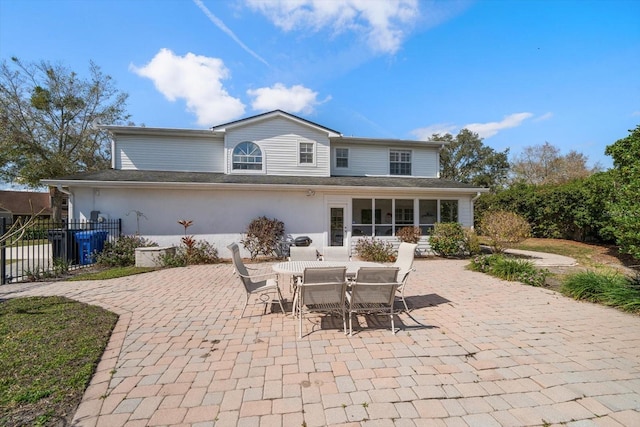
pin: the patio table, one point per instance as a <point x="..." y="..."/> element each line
<point x="296" y="268"/>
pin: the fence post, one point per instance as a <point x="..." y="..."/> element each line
<point x="3" y="253"/>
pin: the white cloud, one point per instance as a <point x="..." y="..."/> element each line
<point x="294" y="99"/>
<point x="545" y="116"/>
<point x="425" y="133"/>
<point x="486" y="130"/>
<point x="196" y="79"/>
<point x="383" y="24"/>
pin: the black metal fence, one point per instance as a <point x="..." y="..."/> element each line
<point x="49" y="248"/>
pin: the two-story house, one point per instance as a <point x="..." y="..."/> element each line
<point x="320" y="183"/>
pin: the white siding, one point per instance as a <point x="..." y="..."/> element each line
<point x="279" y="138"/>
<point x="169" y="154"/>
<point x="374" y="160"/>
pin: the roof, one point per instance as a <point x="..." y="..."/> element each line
<point x="21" y="202"/>
<point x="275" y="113"/>
<point x="138" y="178"/>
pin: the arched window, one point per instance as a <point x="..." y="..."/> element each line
<point x="247" y="156"/>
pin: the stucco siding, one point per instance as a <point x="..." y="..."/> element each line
<point x="279" y="139"/>
<point x="170" y="154"/>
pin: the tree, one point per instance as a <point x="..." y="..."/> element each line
<point x="466" y="159"/>
<point x="543" y="164"/>
<point x="624" y="207"/>
<point x="47" y="122"/>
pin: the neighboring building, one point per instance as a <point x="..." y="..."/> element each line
<point x="320" y="183"/>
<point x="15" y="204"/>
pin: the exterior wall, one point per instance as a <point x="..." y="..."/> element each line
<point x="169" y="154"/>
<point x="374" y="160"/>
<point x="221" y="217"/>
<point x="278" y="138"/>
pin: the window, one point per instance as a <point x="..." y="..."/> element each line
<point x="247" y="156"/>
<point x="448" y="211"/>
<point x="342" y="157"/>
<point x="306" y="153"/>
<point x="400" y="162"/>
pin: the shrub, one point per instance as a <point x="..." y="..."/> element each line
<point x="614" y="290"/>
<point x="511" y="269"/>
<point x="471" y="241"/>
<point x="447" y="239"/>
<point x="191" y="252"/>
<point x="122" y="252"/>
<point x="262" y="236"/>
<point x="504" y="228"/>
<point x="375" y="250"/>
<point x="409" y="234"/>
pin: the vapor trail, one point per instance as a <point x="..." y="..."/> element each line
<point x="218" y="23"/>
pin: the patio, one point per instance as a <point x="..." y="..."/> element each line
<point x="491" y="353"/>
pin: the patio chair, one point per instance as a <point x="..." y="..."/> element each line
<point x="373" y="291"/>
<point x="335" y="253"/>
<point x="303" y="253"/>
<point x="322" y="290"/>
<point x="404" y="262"/>
<point x="254" y="284"/>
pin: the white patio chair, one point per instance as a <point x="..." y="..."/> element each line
<point x="335" y="253"/>
<point x="303" y="253"/>
<point x="373" y="291"/>
<point x="404" y="262"/>
<point x="322" y="290"/>
<point x="254" y="284"/>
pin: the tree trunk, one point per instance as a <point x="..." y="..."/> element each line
<point x="56" y="204"/>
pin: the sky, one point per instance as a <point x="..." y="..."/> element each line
<point x="517" y="72"/>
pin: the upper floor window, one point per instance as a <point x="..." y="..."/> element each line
<point x="247" y="156"/>
<point x="342" y="157"/>
<point x="306" y="153"/>
<point x="400" y="162"/>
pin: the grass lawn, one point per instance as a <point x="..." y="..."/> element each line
<point x="49" y="348"/>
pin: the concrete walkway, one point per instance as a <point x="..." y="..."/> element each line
<point x="476" y="351"/>
<point x="543" y="259"/>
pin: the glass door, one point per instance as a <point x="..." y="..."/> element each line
<point x="337" y="229"/>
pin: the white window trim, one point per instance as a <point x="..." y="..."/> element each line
<point x="248" y="171"/>
<point x="389" y="160"/>
<point x="348" y="158"/>
<point x="314" y="154"/>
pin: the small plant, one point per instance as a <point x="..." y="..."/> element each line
<point x="191" y="251"/>
<point x="511" y="269"/>
<point x="262" y="236"/>
<point x="375" y="250"/>
<point x="448" y="239"/>
<point x="504" y="228"/>
<point x="614" y="290"/>
<point x="409" y="234"/>
<point x="122" y="252"/>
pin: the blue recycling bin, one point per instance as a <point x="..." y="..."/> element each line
<point x="89" y="243"/>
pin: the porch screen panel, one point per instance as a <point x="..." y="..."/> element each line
<point x="428" y="215"/>
<point x="448" y="211"/>
<point x="362" y="216"/>
<point x="384" y="217"/>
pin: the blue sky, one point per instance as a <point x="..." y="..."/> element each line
<point x="519" y="73"/>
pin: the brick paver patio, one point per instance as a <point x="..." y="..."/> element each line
<point x="476" y="351"/>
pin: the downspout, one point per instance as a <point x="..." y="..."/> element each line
<point x="473" y="214"/>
